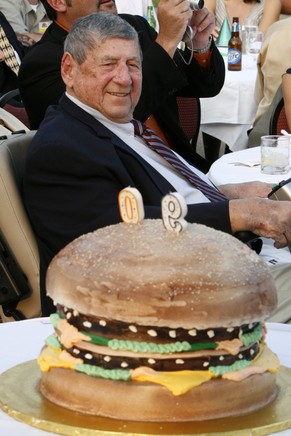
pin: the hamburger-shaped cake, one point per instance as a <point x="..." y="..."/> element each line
<point x="157" y="326"/>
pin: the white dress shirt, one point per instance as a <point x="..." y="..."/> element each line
<point x="125" y="131"/>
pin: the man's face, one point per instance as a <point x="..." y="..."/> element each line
<point x="79" y="8"/>
<point x="109" y="80"/>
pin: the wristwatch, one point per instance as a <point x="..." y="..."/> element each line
<point x="202" y="50"/>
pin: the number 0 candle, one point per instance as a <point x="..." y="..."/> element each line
<point x="131" y="205"/>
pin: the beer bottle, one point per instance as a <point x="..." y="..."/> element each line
<point x="151" y="17"/>
<point x="234" y="55"/>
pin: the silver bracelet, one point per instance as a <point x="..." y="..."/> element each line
<point x="202" y="50"/>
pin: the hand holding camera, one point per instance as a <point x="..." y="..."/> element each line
<point x="175" y="16"/>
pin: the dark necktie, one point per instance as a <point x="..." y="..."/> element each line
<point x="156" y="144"/>
<point x="10" y="58"/>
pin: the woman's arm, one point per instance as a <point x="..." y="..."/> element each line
<point x="271" y="14"/>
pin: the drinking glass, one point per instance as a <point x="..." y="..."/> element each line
<point x="254" y="42"/>
<point x="275" y="151"/>
<point x="246" y="29"/>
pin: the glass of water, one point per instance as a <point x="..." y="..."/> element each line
<point x="246" y="29"/>
<point x="255" y="41"/>
<point x="275" y="152"/>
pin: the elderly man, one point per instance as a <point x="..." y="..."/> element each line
<point x="167" y="72"/>
<point x="87" y="150"/>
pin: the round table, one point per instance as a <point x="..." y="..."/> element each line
<point x="233" y="168"/>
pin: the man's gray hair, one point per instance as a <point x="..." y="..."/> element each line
<point x="97" y="26"/>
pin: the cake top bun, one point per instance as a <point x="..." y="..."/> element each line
<point x="142" y="273"/>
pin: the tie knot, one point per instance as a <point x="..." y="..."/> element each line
<point x="138" y="127"/>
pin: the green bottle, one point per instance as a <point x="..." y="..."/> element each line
<point x="151" y="17"/>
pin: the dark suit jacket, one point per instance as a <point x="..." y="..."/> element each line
<point x="75" y="169"/>
<point x="8" y="79"/>
<point x="41" y="84"/>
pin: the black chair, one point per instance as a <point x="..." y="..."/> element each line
<point x="11" y="102"/>
<point x="19" y="260"/>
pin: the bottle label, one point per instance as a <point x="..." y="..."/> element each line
<point x="235" y="27"/>
<point x="234" y="56"/>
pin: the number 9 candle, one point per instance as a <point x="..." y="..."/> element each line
<point x="174" y="209"/>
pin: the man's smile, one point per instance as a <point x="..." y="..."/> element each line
<point x="119" y="94"/>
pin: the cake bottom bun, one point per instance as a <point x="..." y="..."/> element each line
<point x="157" y="326"/>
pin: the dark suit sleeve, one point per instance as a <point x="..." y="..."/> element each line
<point x="40" y="80"/>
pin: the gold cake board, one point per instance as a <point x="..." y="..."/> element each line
<point x="20" y="398"/>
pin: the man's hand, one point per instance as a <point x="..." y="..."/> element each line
<point x="173" y="17"/>
<point x="215" y="33"/>
<point x="28" y="39"/>
<point x="245" y="190"/>
<point x="264" y="217"/>
<point x="202" y="23"/>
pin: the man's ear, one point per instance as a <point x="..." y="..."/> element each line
<point x="67" y="66"/>
<point x="58" y="5"/>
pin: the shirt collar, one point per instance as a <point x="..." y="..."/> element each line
<point x="125" y="128"/>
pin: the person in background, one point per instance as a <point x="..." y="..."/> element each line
<point x="273" y="60"/>
<point x="198" y="71"/>
<point x="286" y="93"/>
<point x="89" y="148"/>
<point x="261" y="13"/>
<point x="27" y="17"/>
<point x="108" y="6"/>
<point x="8" y="76"/>
<point x="285" y="8"/>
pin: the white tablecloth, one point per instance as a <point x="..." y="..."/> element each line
<point x="136" y="7"/>
<point x="224" y="170"/>
<point x="21" y="341"/>
<point x="230" y="114"/>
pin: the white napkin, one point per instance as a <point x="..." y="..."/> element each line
<point x="245" y="163"/>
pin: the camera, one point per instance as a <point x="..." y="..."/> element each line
<point x="196" y="4"/>
<point x="282" y="191"/>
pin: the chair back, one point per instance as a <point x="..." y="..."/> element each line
<point x="189" y="117"/>
<point x="8" y="102"/>
<point x="278" y="120"/>
<point x="19" y="266"/>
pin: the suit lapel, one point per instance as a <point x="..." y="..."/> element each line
<point x="122" y="149"/>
